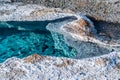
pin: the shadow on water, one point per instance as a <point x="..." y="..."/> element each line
<point x="13" y="27"/>
<point x="16" y="27"/>
<point x="33" y="25"/>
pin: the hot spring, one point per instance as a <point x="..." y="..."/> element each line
<point x="19" y="39"/>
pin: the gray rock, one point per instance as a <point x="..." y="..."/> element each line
<point x="5" y="0"/>
<point x="104" y="9"/>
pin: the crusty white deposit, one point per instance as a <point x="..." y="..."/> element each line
<point x="37" y="67"/>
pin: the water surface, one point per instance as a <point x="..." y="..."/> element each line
<point x="23" y="38"/>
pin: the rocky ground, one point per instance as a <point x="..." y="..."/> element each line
<point x="96" y="32"/>
<point x="36" y="67"/>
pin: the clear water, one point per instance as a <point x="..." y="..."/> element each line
<point x="21" y="39"/>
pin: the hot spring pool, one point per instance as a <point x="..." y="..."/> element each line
<point x="21" y="39"/>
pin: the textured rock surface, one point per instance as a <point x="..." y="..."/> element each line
<point x="107" y="10"/>
<point x="93" y="35"/>
<point x="37" y="67"/>
<point x="20" y="11"/>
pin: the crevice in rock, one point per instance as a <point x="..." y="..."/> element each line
<point x="106" y="28"/>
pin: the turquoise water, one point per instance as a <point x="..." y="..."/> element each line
<point x="21" y="39"/>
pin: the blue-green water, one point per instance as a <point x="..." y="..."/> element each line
<point x="21" y="39"/>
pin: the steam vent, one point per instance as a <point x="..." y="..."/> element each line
<point x="59" y="40"/>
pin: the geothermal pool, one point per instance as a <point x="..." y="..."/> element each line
<point x="23" y="38"/>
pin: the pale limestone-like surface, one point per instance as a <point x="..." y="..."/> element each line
<point x="19" y="11"/>
<point x="5" y="0"/>
<point x="107" y="10"/>
<point x="37" y="67"/>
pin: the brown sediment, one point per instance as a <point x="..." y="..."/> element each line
<point x="34" y="58"/>
<point x="82" y="27"/>
<point x="83" y="23"/>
